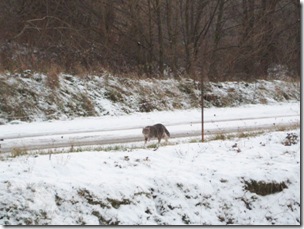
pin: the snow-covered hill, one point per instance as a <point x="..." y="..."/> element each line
<point x="249" y="180"/>
<point x="34" y="97"/>
<point x="246" y="181"/>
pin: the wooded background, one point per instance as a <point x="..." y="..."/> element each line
<point x="217" y="39"/>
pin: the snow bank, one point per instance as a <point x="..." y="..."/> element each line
<point x="194" y="183"/>
<point x="28" y="97"/>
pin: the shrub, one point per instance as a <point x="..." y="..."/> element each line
<point x="113" y="95"/>
<point x="263" y="188"/>
<point x="146" y="106"/>
<point x="53" y="77"/>
<point x="16" y="152"/>
<point x="291" y="139"/>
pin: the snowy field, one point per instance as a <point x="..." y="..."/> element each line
<point x="253" y="180"/>
<point x="102" y="130"/>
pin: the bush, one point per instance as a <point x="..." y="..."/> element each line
<point x="263" y="188"/>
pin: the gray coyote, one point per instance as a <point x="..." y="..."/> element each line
<point x="158" y="131"/>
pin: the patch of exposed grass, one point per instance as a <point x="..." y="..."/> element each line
<point x="263" y="101"/>
<point x="154" y="145"/>
<point x="218" y="137"/>
<point x="147" y="194"/>
<point x="186" y="219"/>
<point x="290" y="127"/>
<point x="117" y="203"/>
<point x="291" y="139"/>
<point x="195" y="140"/>
<point x="264" y="188"/>
<point x="114" y="148"/>
<point x="113" y="95"/>
<point x="88" y="105"/>
<point x="17" y="152"/>
<point x="103" y="221"/>
<point x="52" y="79"/>
<point x="222" y="136"/>
<point x="91" y="198"/>
<point x="249" y="134"/>
<point x="146" y="105"/>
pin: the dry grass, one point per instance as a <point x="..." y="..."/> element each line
<point x="16" y="152"/>
<point x="263" y="188"/>
<point x="88" y="105"/>
<point x="53" y="76"/>
<point x="80" y="70"/>
<point x="217" y="137"/>
<point x="289" y="127"/>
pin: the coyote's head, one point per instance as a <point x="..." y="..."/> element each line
<point x="146" y="131"/>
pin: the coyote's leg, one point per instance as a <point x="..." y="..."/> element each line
<point x="166" y="139"/>
<point x="145" y="145"/>
<point x="158" y="144"/>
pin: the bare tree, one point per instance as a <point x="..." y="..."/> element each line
<point x="240" y="39"/>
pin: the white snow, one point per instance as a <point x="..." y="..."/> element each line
<point x="28" y="96"/>
<point x="187" y="183"/>
<point x="107" y="123"/>
<point x="100" y="129"/>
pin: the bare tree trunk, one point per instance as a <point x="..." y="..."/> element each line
<point x="268" y="51"/>
<point x="172" y="35"/>
<point x="160" y="37"/>
<point x="150" y="39"/>
<point x="213" y="68"/>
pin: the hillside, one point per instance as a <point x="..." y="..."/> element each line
<point x="35" y="97"/>
<point x="241" y="181"/>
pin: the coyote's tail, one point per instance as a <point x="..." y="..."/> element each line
<point x="167" y="132"/>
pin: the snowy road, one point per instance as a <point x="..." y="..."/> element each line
<point x="123" y="129"/>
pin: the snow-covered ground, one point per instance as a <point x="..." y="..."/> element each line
<point x="101" y="130"/>
<point x="29" y="97"/>
<point x="213" y="183"/>
<point x="139" y="120"/>
<point x="193" y="183"/>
